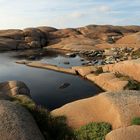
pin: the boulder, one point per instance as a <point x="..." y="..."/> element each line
<point x="16" y="123"/>
<point x="126" y="133"/>
<point x="108" y="81"/>
<point x="14" y="88"/>
<point x="116" y="108"/>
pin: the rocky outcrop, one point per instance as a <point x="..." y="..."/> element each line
<point x="126" y="133"/>
<point x="130" y="39"/>
<point x="35" y="37"/>
<point x="108" y="81"/>
<point x="12" y="34"/>
<point x="8" y="44"/>
<point x="13" y="88"/>
<point x="129" y="68"/>
<point x="84" y="70"/>
<point x="47" y="66"/>
<point x="22" y="39"/>
<point x="90" y="37"/>
<point x="116" y="108"/>
<point x="16" y="123"/>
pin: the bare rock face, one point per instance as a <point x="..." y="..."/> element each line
<point x="76" y="43"/>
<point x="8" y="44"/>
<point x="130" y="39"/>
<point x="33" y="32"/>
<point x="90" y="37"/>
<point x="116" y="108"/>
<point x="108" y="81"/>
<point x="14" y="88"/>
<point x="12" y="34"/>
<point x="16" y="123"/>
<point x="129" y="68"/>
<point x="126" y="133"/>
<point x="47" y="29"/>
<point x="84" y="70"/>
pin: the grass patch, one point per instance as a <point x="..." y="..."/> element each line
<point x="135" y="121"/>
<point x="93" y="131"/>
<point x="52" y="128"/>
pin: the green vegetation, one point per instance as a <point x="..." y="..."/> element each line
<point x="93" y="131"/>
<point x="132" y="84"/>
<point x="56" y="128"/>
<point x="136" y="54"/>
<point x="53" y="128"/>
<point x="135" y="121"/>
<point x="98" y="71"/>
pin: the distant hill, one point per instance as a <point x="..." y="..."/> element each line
<point x="82" y="38"/>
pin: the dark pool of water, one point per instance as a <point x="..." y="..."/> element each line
<point x="44" y="84"/>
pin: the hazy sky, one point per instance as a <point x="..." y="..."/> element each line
<point x="68" y="13"/>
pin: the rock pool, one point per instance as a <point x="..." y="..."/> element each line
<point x="45" y="84"/>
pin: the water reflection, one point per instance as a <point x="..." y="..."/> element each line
<point x="44" y="84"/>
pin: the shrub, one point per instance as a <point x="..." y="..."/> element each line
<point x="93" y="131"/>
<point x="135" y="121"/>
<point x="133" y="85"/>
<point x="56" y="128"/>
<point x="52" y="128"/>
<point x="98" y="71"/>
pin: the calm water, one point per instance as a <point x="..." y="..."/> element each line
<point x="44" y="84"/>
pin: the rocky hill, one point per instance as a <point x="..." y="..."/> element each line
<point x="83" y="38"/>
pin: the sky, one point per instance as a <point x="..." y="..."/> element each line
<point x="68" y="13"/>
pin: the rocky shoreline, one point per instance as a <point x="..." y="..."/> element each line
<point x="114" y="61"/>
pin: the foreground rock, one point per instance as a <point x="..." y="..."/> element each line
<point x="108" y="81"/>
<point x="14" y="88"/>
<point x="126" y="133"/>
<point x="116" y="108"/>
<point x="129" y="68"/>
<point x="16" y="123"/>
